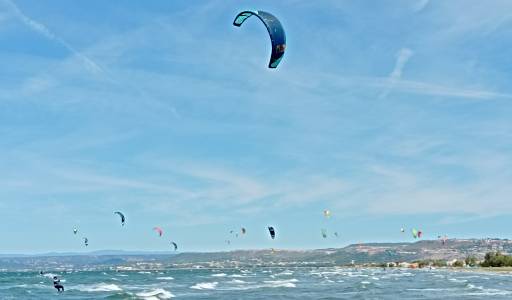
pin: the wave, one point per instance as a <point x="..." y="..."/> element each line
<point x="100" y="287"/>
<point x="219" y="275"/>
<point x="205" y="286"/>
<point x="236" y="281"/>
<point x="290" y="283"/>
<point x="156" y="294"/>
<point x="165" y="278"/>
<point x="434" y="289"/>
<point x="284" y="273"/>
<point x="457" y="280"/>
<point x="50" y="275"/>
<point x="489" y="292"/>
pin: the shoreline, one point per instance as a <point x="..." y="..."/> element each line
<point x="507" y="270"/>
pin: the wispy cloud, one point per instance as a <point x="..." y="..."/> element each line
<point x="46" y="32"/>
<point x="420" y="5"/>
<point x="425" y="88"/>
<point x="251" y="143"/>
<point x="402" y="58"/>
<point x="414" y="87"/>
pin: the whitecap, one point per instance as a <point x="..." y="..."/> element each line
<point x="489" y="292"/>
<point x="165" y="278"/>
<point x="434" y="289"/>
<point x="457" y="280"/>
<point x="100" y="287"/>
<point x="219" y="275"/>
<point x="471" y="286"/>
<point x="236" y="281"/>
<point x="205" y="286"/>
<point x="49" y="275"/>
<point x="156" y="294"/>
<point x="282" y="283"/>
<point x="285" y="273"/>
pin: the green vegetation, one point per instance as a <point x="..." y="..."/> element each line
<point x="496" y="259"/>
<point x="471" y="261"/>
<point x="458" y="264"/>
<point x="431" y="262"/>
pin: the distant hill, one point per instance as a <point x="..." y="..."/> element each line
<point x="359" y="253"/>
<point x="92" y="253"/>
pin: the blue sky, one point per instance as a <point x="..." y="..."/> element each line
<point x="391" y="114"/>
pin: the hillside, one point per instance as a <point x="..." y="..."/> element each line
<point x="357" y="253"/>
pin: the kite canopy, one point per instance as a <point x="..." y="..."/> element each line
<point x="275" y="31"/>
<point x="86" y="241"/>
<point x="175" y="246"/>
<point x="415" y="233"/>
<point x="75" y="231"/>
<point x="121" y="215"/>
<point x="324" y="233"/>
<point x="243" y="230"/>
<point x="327" y="213"/>
<point x="159" y="230"/>
<point x="272" y="232"/>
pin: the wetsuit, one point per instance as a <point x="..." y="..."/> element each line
<point x="57" y="285"/>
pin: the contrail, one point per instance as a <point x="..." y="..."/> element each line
<point x="43" y="30"/>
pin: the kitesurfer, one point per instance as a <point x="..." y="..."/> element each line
<point x="57" y="285"/>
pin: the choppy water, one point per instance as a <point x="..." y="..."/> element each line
<point x="261" y="283"/>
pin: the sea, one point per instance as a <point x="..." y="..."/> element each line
<point x="261" y="283"/>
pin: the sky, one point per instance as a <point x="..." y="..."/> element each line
<point x="390" y="114"/>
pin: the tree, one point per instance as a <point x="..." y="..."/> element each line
<point x="458" y="263"/>
<point x="471" y="261"/>
<point x="496" y="259"/>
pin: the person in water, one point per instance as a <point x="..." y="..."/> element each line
<point x="57" y="285"/>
